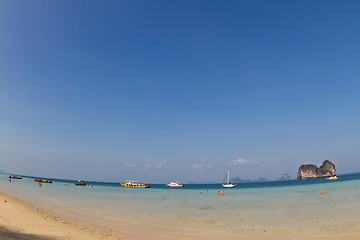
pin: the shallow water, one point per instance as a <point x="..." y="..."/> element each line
<point x="249" y="210"/>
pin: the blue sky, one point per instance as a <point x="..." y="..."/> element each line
<point x="178" y="90"/>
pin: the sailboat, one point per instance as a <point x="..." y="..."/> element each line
<point x="228" y="184"/>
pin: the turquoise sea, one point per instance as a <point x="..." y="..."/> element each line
<point x="286" y="209"/>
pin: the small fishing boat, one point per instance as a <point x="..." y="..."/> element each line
<point x="80" y="183"/>
<point x="134" y="184"/>
<point x="15" y="177"/>
<point x="175" y="184"/>
<point x="43" y="180"/>
<point x="332" y="178"/>
<point x="228" y="184"/>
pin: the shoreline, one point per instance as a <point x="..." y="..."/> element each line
<point x="30" y="220"/>
<point x="21" y="220"/>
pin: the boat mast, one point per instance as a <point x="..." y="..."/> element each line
<point x="228" y="176"/>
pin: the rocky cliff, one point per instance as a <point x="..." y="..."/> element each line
<point x="308" y="171"/>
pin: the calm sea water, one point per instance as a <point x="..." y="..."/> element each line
<point x="252" y="210"/>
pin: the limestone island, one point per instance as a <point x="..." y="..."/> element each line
<point x="309" y="171"/>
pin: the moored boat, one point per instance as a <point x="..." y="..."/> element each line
<point x="80" y="183"/>
<point x="15" y="177"/>
<point x="332" y="178"/>
<point x="43" y="180"/>
<point x="175" y="184"/>
<point x="134" y="184"/>
<point x="228" y="184"/>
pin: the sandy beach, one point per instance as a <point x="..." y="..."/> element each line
<point x="22" y="220"/>
<point x="19" y="220"/>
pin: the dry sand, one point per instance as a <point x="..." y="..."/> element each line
<point x="19" y="220"/>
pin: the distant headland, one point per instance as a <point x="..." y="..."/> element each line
<point x="308" y="171"/>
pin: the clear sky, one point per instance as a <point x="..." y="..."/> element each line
<point x="178" y="90"/>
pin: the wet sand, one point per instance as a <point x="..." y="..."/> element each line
<point x="19" y="220"/>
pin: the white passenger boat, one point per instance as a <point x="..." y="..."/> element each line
<point x="175" y="184"/>
<point x="332" y="178"/>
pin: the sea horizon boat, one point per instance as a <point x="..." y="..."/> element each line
<point x="332" y="178"/>
<point x="134" y="184"/>
<point x="228" y="184"/>
<point x="43" y="180"/>
<point x="15" y="177"/>
<point x="175" y="184"/>
<point x="80" y="183"/>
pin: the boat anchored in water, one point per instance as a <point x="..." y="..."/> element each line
<point x="43" y="180"/>
<point x="332" y="178"/>
<point x="80" y="183"/>
<point x="175" y="184"/>
<point x="134" y="184"/>
<point x="15" y="177"/>
<point x="228" y="184"/>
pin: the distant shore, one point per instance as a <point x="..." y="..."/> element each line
<point x="19" y="220"/>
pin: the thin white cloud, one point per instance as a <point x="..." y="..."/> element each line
<point x="242" y="161"/>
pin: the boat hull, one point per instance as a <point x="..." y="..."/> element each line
<point x="130" y="186"/>
<point x="14" y="177"/>
<point x="175" y="184"/>
<point x="80" y="183"/>
<point x="43" y="181"/>
<point x="230" y="185"/>
<point x="332" y="178"/>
